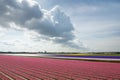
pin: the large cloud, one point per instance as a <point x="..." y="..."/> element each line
<point x="54" y="24"/>
<point x="19" y="13"/>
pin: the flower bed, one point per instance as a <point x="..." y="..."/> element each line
<point x="24" y="68"/>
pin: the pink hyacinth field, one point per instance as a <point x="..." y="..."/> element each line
<point x="29" y="68"/>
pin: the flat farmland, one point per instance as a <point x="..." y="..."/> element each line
<point x="30" y="68"/>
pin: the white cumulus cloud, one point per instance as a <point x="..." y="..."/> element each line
<point x="52" y="24"/>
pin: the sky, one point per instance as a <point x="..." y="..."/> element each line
<point x="60" y="25"/>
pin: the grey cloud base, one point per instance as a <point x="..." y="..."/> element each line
<point x="54" y="24"/>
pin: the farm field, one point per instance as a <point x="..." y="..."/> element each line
<point x="88" y="57"/>
<point x="29" y="68"/>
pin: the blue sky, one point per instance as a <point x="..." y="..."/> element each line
<point x="60" y="25"/>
